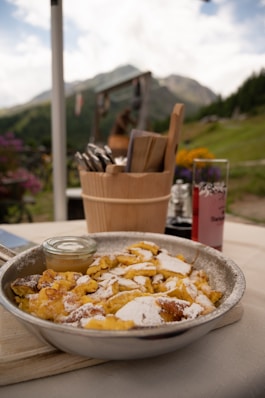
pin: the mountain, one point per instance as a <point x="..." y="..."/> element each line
<point x="189" y="89"/>
<point x="69" y="89"/>
<point x="186" y="89"/>
<point x="32" y="120"/>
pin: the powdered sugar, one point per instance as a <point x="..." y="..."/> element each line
<point x="171" y="284"/>
<point x="172" y="264"/>
<point x="70" y="302"/>
<point x="204" y="301"/>
<point x="146" y="255"/>
<point x="83" y="280"/>
<point x="140" y="280"/>
<point x="190" y="287"/>
<point x="127" y="283"/>
<point x="192" y="311"/>
<point x="143" y="311"/>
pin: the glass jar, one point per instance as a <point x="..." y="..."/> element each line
<point x="69" y="253"/>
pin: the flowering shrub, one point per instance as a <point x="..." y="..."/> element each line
<point x="10" y="147"/>
<point x="184" y="162"/>
<point x="11" y="169"/>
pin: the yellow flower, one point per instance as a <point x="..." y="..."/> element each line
<point x="184" y="157"/>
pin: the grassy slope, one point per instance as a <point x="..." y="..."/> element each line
<point x="236" y="140"/>
<point x="240" y="141"/>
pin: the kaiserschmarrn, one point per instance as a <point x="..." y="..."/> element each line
<point x="141" y="286"/>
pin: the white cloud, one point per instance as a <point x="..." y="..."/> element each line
<point x="164" y="36"/>
<point x="35" y="13"/>
<point x="25" y="71"/>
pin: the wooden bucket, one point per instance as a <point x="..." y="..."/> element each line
<point x="125" y="201"/>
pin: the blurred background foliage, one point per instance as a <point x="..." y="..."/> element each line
<point x="232" y="128"/>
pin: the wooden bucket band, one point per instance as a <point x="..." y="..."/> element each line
<point x="126" y="201"/>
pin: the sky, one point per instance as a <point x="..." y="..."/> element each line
<point x="219" y="43"/>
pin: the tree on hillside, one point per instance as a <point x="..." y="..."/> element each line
<point x="247" y="99"/>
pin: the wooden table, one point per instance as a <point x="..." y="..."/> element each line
<point x="226" y="363"/>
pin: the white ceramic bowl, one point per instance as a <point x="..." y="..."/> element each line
<point x="224" y="275"/>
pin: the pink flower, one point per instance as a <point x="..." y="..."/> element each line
<point x="28" y="180"/>
<point x="11" y="149"/>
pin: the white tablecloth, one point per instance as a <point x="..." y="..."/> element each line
<point x="226" y="363"/>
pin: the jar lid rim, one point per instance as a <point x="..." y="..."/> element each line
<point x="69" y="245"/>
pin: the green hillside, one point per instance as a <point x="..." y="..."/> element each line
<point x="237" y="140"/>
<point x="243" y="143"/>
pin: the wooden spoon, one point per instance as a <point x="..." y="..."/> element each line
<point x="173" y="137"/>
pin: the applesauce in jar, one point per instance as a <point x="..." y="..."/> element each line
<point x="69" y="253"/>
